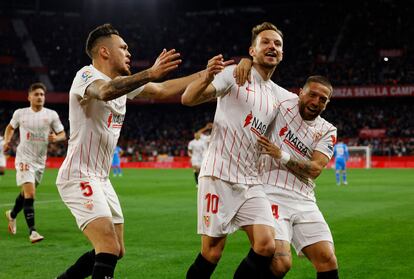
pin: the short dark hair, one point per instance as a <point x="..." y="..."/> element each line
<point x="322" y="80"/>
<point x="37" y="85"/>
<point x="104" y="30"/>
<point x="263" y="27"/>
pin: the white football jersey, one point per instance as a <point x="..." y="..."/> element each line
<point x="242" y="114"/>
<point x="197" y="147"/>
<point x="94" y="129"/>
<point x="300" y="139"/>
<point x="34" y="128"/>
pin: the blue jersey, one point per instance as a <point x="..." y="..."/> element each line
<point x="341" y="155"/>
<point x="117" y="154"/>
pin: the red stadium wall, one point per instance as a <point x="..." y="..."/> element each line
<point x="184" y="162"/>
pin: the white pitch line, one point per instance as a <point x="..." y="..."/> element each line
<point x="36" y="202"/>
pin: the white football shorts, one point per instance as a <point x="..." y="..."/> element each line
<point x="299" y="222"/>
<point x="225" y="207"/>
<point x="28" y="173"/>
<point x="91" y="199"/>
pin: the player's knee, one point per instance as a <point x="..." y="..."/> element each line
<point x="326" y="261"/>
<point x="265" y="246"/>
<point x="121" y="252"/>
<point x="213" y="254"/>
<point x="281" y="265"/>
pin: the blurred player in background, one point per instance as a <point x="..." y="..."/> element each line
<point x="300" y="147"/>
<point x="116" y="161"/>
<point x="97" y="107"/>
<point x="37" y="127"/>
<point x="341" y="155"/>
<point x="230" y="194"/>
<point x="197" y="148"/>
<point x="2" y="158"/>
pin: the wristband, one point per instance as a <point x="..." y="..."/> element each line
<point x="284" y="159"/>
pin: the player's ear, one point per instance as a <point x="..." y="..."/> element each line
<point x="251" y="51"/>
<point x="104" y="52"/>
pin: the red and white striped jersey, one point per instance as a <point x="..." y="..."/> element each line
<point x="300" y="139"/>
<point x="94" y="129"/>
<point x="34" y="128"/>
<point x="242" y="114"/>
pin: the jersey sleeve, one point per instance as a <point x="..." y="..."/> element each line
<point x="224" y="81"/>
<point x="83" y="79"/>
<point x="326" y="143"/>
<point x="56" y="124"/>
<point x="15" y="121"/>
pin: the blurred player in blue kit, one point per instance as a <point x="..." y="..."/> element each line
<point x="116" y="161"/>
<point x="341" y="155"/>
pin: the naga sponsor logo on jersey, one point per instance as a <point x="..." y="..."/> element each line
<point x="293" y="141"/>
<point x="115" y="120"/>
<point x="86" y="75"/>
<point x="36" y="136"/>
<point x="256" y="126"/>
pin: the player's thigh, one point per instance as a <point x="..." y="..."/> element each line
<point x="282" y="259"/>
<point x="29" y="190"/>
<point x="102" y="234"/>
<point x="119" y="230"/>
<point x="212" y="247"/>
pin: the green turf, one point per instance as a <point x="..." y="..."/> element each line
<point x="372" y="221"/>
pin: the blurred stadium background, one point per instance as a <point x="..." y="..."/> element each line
<point x="364" y="47"/>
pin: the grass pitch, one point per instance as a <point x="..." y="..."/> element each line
<point x="372" y="221"/>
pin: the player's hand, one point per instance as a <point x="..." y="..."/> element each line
<point x="52" y="137"/>
<point x="269" y="148"/>
<point x="209" y="125"/>
<point x="6" y="147"/>
<point x="215" y="65"/>
<point x="243" y="71"/>
<point x="165" y="63"/>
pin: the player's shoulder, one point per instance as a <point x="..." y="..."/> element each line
<point x="325" y="125"/>
<point x="86" y="72"/>
<point x="283" y="94"/>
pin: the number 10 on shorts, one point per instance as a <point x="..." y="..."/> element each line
<point x="212" y="203"/>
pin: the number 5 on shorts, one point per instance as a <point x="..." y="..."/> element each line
<point x="86" y="189"/>
<point x="275" y="211"/>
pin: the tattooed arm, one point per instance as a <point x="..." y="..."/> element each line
<point x="312" y="168"/>
<point x="109" y="90"/>
<point x="303" y="169"/>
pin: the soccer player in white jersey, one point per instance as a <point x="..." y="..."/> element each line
<point x="2" y="158"/>
<point x="300" y="147"/>
<point x="97" y="106"/>
<point x="230" y="194"/>
<point x="196" y="149"/>
<point x="37" y="127"/>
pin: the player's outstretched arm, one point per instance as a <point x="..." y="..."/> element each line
<point x="301" y="168"/>
<point x="8" y="134"/>
<point x="201" y="90"/>
<point x="169" y="88"/>
<point x="242" y="72"/>
<point x="53" y="137"/>
<point x="109" y="90"/>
